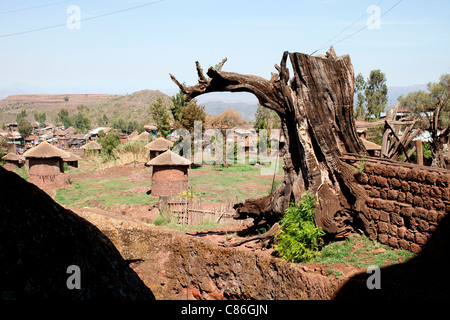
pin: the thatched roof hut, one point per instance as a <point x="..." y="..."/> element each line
<point x="44" y="151"/>
<point x="132" y="135"/>
<point x="13" y="161"/>
<point x="46" y="166"/>
<point x="72" y="160"/>
<point x="93" y="145"/>
<point x="169" y="174"/>
<point x="141" y="137"/>
<point x="158" y="146"/>
<point x="11" y="157"/>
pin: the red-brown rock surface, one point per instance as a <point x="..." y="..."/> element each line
<point x="39" y="240"/>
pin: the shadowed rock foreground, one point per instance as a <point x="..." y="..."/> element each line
<point x="39" y="240"/>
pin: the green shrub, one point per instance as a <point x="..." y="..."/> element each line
<point x="299" y="237"/>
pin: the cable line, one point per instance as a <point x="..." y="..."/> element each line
<point x="35" y="7"/>
<point x="86" y="19"/>
<point x="356" y="32"/>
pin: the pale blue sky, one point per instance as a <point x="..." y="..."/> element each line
<point x="136" y="49"/>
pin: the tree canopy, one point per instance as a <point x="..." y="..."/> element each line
<point x="371" y="94"/>
<point x="161" y="116"/>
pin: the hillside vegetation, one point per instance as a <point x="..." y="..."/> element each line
<point x="133" y="106"/>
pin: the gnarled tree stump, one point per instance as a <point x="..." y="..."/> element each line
<point x="316" y="111"/>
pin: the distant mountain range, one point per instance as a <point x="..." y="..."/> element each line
<point x="135" y="105"/>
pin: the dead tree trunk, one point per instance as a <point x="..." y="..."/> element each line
<point x="439" y="139"/>
<point x="316" y="111"/>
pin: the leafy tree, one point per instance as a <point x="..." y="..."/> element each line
<point x="161" y="116"/>
<point x="128" y="127"/>
<point x="227" y="120"/>
<point x="119" y="124"/>
<point x="360" y="86"/>
<point x="266" y="119"/>
<point x="109" y="142"/>
<point x="178" y="105"/>
<point x="103" y="121"/>
<point x="64" y="118"/>
<point x="191" y="113"/>
<point x="432" y="108"/>
<point x="24" y="128"/>
<point x="21" y="115"/>
<point x="133" y="125"/>
<point x="371" y="94"/>
<point x="376" y="93"/>
<point x="40" y="117"/>
<point x="81" y="122"/>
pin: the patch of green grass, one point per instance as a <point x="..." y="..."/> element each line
<point x="111" y="191"/>
<point x="23" y="172"/>
<point x="359" y="251"/>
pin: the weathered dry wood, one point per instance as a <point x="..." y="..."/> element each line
<point x="316" y="110"/>
<point x="269" y="234"/>
<point x="419" y="152"/>
<point x="400" y="142"/>
<point x="439" y="139"/>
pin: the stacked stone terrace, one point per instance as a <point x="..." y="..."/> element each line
<point x="405" y="204"/>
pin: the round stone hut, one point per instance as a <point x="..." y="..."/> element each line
<point x="47" y="166"/>
<point x="169" y="174"/>
<point x="12" y="161"/>
<point x="158" y="146"/>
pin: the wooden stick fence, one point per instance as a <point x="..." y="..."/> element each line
<point x="189" y="210"/>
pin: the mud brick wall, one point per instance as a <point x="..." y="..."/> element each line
<point x="169" y="180"/>
<point x="404" y="204"/>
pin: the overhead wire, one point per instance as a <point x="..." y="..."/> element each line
<point x="81" y="20"/>
<point x="35" y="7"/>
<point x="357" y="31"/>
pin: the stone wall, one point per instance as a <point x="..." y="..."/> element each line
<point x="405" y="203"/>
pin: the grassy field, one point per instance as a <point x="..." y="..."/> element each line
<point x="107" y="192"/>
<point x="215" y="183"/>
<point x="113" y="187"/>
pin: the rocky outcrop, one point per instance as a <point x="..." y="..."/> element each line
<point x="40" y="240"/>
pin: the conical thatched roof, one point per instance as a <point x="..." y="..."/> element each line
<point x="159" y="144"/>
<point x="92" y="145"/>
<point x="169" y="158"/>
<point x="72" y="157"/>
<point x="11" y="157"/>
<point x="142" y="137"/>
<point x="133" y="134"/>
<point x="45" y="150"/>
